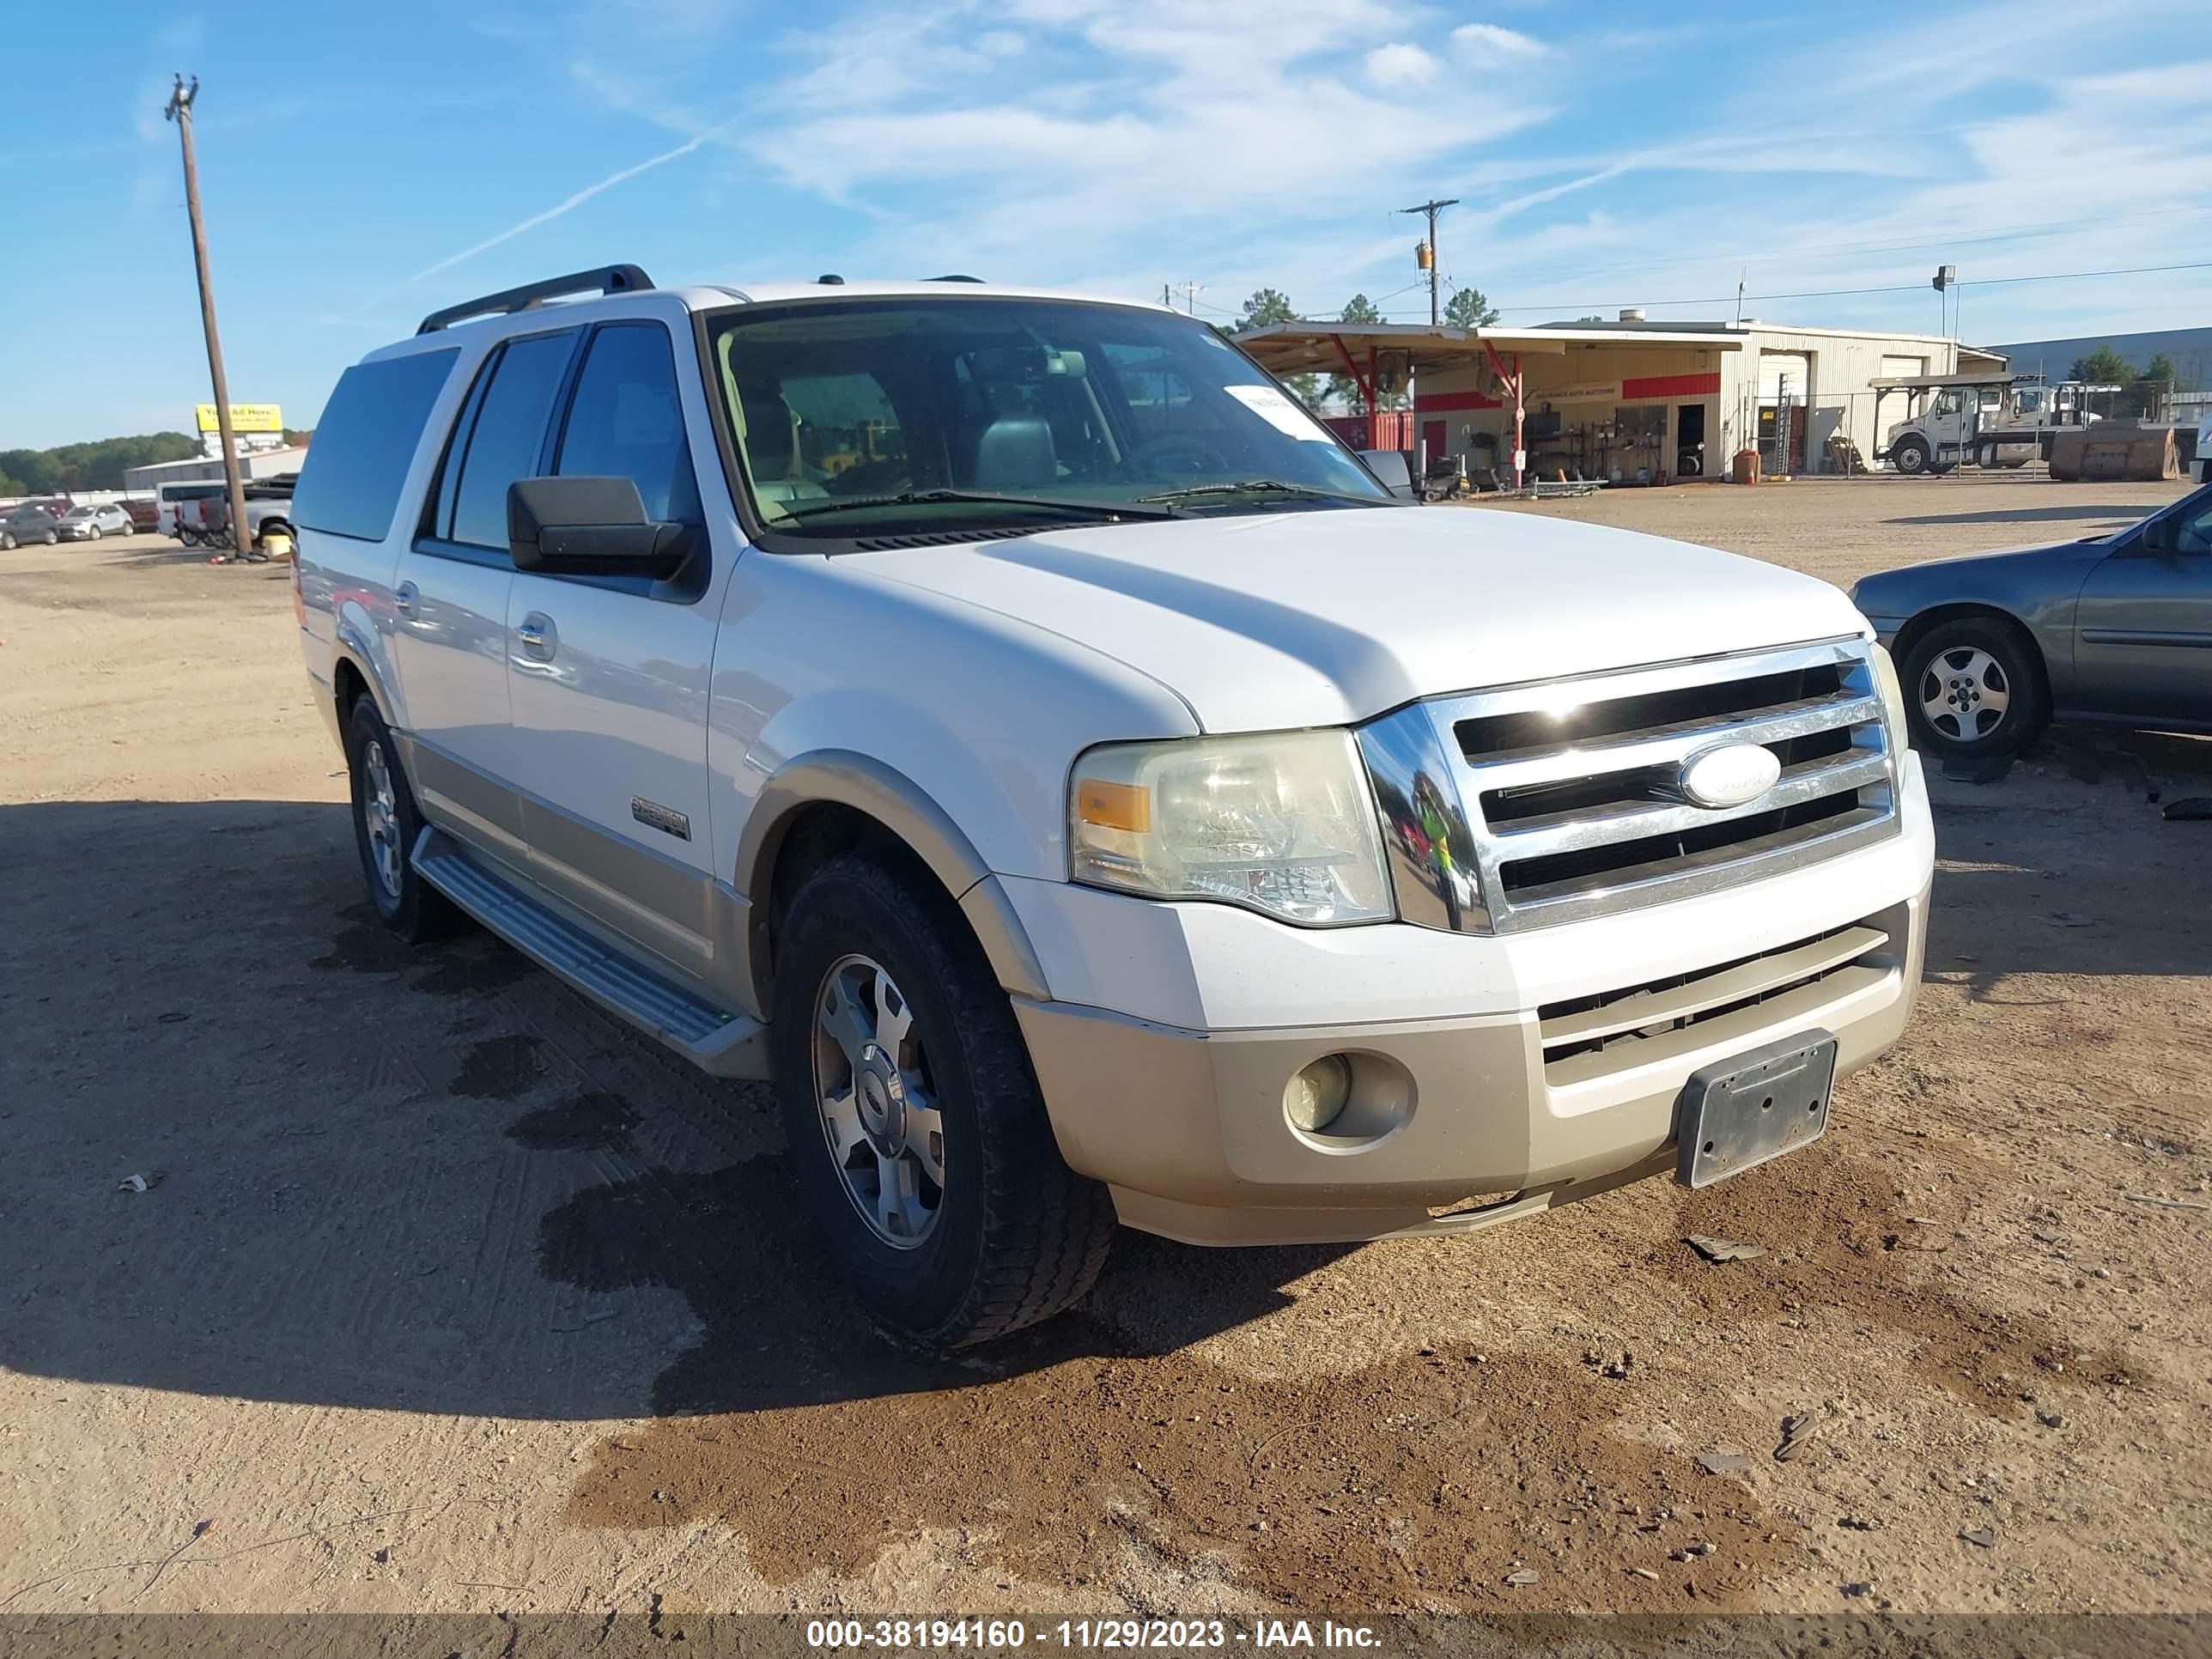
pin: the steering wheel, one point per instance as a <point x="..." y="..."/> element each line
<point x="1177" y="455"/>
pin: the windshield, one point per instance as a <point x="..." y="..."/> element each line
<point x="860" y="417"/>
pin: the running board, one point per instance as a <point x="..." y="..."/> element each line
<point x="712" y="1039"/>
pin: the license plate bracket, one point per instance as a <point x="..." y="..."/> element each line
<point x="1738" y="1113"/>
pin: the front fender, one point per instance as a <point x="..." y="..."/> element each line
<point x="866" y="784"/>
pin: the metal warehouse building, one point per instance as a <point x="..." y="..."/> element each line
<point x="1630" y="399"/>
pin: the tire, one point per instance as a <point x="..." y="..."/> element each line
<point x="1014" y="1236"/>
<point x="188" y="537"/>
<point x="96" y="532"/>
<point x="386" y="823"/>
<point x="1912" y="457"/>
<point x="8" y="542"/>
<point x="52" y="537"/>
<point x="1956" y="670"/>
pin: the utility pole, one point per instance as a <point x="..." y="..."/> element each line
<point x="1429" y="248"/>
<point x="179" y="110"/>
<point x="1190" y="298"/>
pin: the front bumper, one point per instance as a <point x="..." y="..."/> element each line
<point x="1478" y="1111"/>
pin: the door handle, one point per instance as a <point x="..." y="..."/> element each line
<point x="404" y="597"/>
<point x="540" y="639"/>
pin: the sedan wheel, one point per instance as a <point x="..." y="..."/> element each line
<point x="1964" y="693"/>
<point x="52" y="537"/>
<point x="1973" y="686"/>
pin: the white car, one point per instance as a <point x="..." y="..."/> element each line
<point x="1010" y="722"/>
<point x="89" y="524"/>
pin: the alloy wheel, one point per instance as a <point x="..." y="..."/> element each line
<point x="1964" y="693"/>
<point x="872" y="1086"/>
<point x="380" y="815"/>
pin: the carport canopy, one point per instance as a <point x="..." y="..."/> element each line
<point x="1351" y="348"/>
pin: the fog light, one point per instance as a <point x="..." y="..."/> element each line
<point x="1316" y="1096"/>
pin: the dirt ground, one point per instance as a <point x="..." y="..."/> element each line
<point x="449" y="1293"/>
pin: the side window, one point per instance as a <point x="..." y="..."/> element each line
<point x="508" y="435"/>
<point x="626" y="421"/>
<point x="2192" y="529"/>
<point x="350" y="483"/>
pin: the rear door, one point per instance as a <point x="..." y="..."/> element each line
<point x="450" y="596"/>
<point x="2143" y="644"/>
<point x="608" y="676"/>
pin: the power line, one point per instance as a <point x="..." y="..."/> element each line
<point x="1901" y="288"/>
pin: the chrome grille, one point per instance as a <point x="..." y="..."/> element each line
<point x="1550" y="802"/>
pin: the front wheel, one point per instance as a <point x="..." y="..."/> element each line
<point x="1912" y="456"/>
<point x="1974" y="686"/>
<point x="52" y="537"/>
<point x="95" y="533"/>
<point x="916" y="1128"/>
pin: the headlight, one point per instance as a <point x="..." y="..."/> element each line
<point x="1283" y="823"/>
<point x="1892" y="693"/>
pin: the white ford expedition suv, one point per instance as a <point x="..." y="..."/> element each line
<point x="1011" y="724"/>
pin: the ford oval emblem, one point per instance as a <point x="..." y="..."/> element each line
<point x="1730" y="776"/>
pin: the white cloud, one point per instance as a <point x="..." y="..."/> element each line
<point x="1401" y="65"/>
<point x="1476" y="41"/>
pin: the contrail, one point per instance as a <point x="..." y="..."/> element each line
<point x="566" y="205"/>
<point x="575" y="201"/>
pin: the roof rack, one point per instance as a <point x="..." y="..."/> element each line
<point x="607" y="279"/>
<point x="952" y="279"/>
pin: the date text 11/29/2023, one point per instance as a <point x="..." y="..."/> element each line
<point x="1007" y="1635"/>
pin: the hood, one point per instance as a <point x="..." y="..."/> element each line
<point x="1275" y="620"/>
<point x="1970" y="571"/>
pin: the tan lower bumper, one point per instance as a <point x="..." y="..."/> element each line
<point x="1469" y="1126"/>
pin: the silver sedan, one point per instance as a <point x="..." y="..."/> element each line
<point x="89" y="524"/>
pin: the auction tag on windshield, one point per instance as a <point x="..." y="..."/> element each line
<point x="1278" y="411"/>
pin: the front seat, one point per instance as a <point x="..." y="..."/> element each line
<point x="771" y="446"/>
<point x="1015" y="452"/>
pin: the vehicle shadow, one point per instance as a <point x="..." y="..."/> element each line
<point x="418" y="1180"/>
<point x="2121" y="512"/>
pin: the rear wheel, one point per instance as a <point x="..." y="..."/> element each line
<point x="1973" y="686"/>
<point x="385" y="825"/>
<point x="8" y="542"/>
<point x="915" y="1121"/>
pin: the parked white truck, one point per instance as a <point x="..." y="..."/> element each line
<point x="1988" y="419"/>
<point x="1012" y="724"/>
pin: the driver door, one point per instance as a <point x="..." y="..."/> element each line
<point x="2142" y="648"/>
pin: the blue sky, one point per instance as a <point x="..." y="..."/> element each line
<point x="363" y="164"/>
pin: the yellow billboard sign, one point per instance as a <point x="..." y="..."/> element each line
<point x="244" y="417"/>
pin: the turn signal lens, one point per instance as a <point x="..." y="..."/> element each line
<point x="1892" y="693"/>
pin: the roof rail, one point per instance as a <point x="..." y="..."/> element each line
<point x="607" y="279"/>
<point x="952" y="279"/>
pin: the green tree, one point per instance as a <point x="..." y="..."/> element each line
<point x="1342" y="388"/>
<point x="2103" y="366"/>
<point x="2156" y="380"/>
<point x="96" y="465"/>
<point x="1468" y="308"/>
<point x="1269" y="305"/>
<point x="1266" y="306"/>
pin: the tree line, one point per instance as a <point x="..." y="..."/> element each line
<point x="2139" y="390"/>
<point x="1466" y="308"/>
<point x="99" y="464"/>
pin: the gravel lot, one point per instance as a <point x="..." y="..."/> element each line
<point x="448" y="1292"/>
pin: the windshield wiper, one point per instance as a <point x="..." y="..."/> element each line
<point x="1264" y="487"/>
<point x="927" y="497"/>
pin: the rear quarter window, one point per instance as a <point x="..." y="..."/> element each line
<point x="365" y="442"/>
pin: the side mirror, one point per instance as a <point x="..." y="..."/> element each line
<point x="1391" y="470"/>
<point x="590" y="527"/>
<point x="2157" y="536"/>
